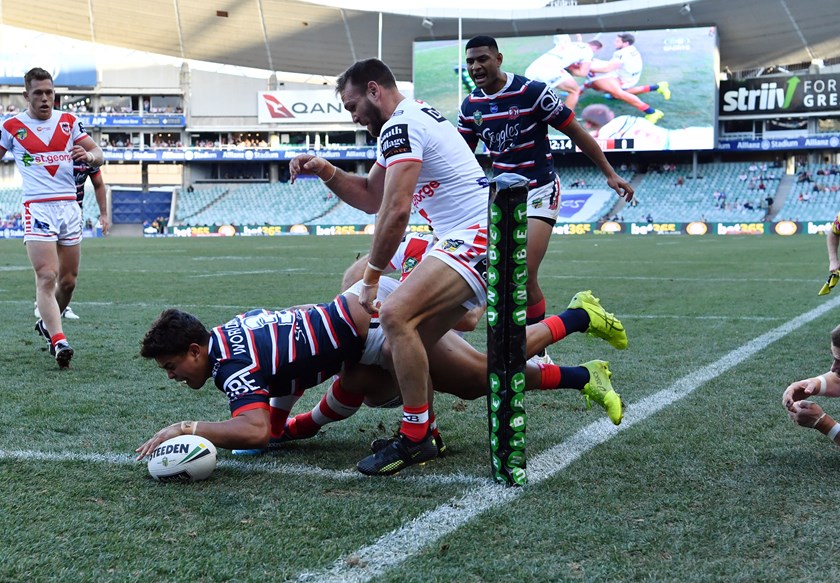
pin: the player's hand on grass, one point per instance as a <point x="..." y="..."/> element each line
<point x="805" y="413"/>
<point x="833" y="278"/>
<point x="167" y="432"/>
<point x="799" y="391"/>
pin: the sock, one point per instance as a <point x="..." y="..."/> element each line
<point x="57" y="338"/>
<point x="336" y="405"/>
<point x="280" y="407"/>
<point x="533" y="315"/>
<point x="415" y="422"/>
<point x="574" y="320"/>
<point x="649" y="88"/>
<point x="433" y="428"/>
<point x="562" y="377"/>
<point x="646" y="109"/>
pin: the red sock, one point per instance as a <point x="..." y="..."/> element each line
<point x="336" y="405"/>
<point x="535" y="313"/>
<point x="279" y="412"/>
<point x="415" y="423"/>
<point x="557" y="327"/>
<point x="549" y="376"/>
<point x="57" y="338"/>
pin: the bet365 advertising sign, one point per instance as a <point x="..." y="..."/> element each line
<point x="780" y="95"/>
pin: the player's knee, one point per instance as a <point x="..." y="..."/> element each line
<point x="393" y="318"/>
<point x="67" y="283"/>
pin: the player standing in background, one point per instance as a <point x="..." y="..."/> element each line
<point x="618" y="77"/>
<point x="556" y="67"/>
<point x="45" y="144"/>
<point x="832" y="240"/>
<point x="421" y="163"/>
<point x="81" y="172"/>
<point x="511" y="114"/>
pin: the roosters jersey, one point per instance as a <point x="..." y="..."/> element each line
<point x="42" y="149"/>
<point x="262" y="354"/>
<point x="452" y="190"/>
<point x="513" y="124"/>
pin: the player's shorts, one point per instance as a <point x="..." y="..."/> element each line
<point x="549" y="70"/>
<point x="544" y="201"/>
<point x="465" y="251"/>
<point x="372" y="352"/>
<point x="410" y="252"/>
<point x="625" y="81"/>
<point x="55" y="221"/>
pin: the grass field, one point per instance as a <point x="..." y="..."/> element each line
<point x="706" y="479"/>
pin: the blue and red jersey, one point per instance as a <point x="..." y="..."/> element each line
<point x="262" y="354"/>
<point x="513" y="124"/>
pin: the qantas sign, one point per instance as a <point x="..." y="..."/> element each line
<point x="319" y="105"/>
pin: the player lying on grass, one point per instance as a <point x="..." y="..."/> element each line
<point x="807" y="413"/>
<point x="264" y="358"/>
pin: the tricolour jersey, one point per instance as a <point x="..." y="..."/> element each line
<point x="81" y="171"/>
<point x="513" y="124"/>
<point x="262" y="354"/>
<point x="42" y="150"/>
<point x="452" y="190"/>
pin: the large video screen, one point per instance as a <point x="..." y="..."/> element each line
<point x="673" y="72"/>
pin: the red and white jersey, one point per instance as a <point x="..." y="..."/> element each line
<point x="452" y="190"/>
<point x="42" y="151"/>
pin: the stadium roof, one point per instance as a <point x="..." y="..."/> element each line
<point x="318" y="39"/>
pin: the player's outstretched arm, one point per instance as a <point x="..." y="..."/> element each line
<point x="808" y="414"/>
<point x="361" y="192"/>
<point x="590" y="147"/>
<point x="824" y="385"/>
<point x="247" y="430"/>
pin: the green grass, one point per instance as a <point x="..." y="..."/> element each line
<point x="717" y="486"/>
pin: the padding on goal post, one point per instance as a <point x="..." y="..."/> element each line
<point x="507" y="274"/>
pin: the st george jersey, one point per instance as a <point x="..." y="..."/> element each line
<point x="262" y="354"/>
<point x="42" y="150"/>
<point x="452" y="190"/>
<point x="513" y="124"/>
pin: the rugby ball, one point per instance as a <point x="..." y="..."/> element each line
<point x="186" y="458"/>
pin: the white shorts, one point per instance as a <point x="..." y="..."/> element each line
<point x="372" y="353"/>
<point x="624" y="81"/>
<point x="465" y="251"/>
<point x="411" y="251"/>
<point x="549" y="70"/>
<point x="544" y="201"/>
<point x="56" y="221"/>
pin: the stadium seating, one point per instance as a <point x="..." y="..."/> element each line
<point x="817" y="199"/>
<point x="660" y="197"/>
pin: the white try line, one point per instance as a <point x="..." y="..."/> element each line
<point x="264" y="465"/>
<point x="399" y="545"/>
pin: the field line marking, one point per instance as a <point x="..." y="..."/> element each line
<point x="399" y="545"/>
<point x="268" y="466"/>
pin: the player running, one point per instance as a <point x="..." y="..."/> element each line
<point x="45" y="143"/>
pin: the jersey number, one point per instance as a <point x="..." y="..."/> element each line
<point x="433" y="113"/>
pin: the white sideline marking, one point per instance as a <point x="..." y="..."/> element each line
<point x="270" y="467"/>
<point x="401" y="544"/>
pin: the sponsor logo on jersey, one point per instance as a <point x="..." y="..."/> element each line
<point x="27" y="159"/>
<point x="395" y="141"/>
<point x="424" y="192"/>
<point x="397" y="113"/>
<point x="477" y="118"/>
<point x="81" y="128"/>
<point x="451" y="245"/>
<point x="494" y="108"/>
<point x="21" y="134"/>
<point x="40" y="226"/>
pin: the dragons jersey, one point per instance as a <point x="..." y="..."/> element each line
<point x="262" y="354"/>
<point x="452" y="190"/>
<point x="41" y="149"/>
<point x="81" y="171"/>
<point x="513" y="124"/>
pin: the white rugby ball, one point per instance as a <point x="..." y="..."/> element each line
<point x="186" y="458"/>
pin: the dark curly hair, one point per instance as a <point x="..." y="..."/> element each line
<point x="172" y="333"/>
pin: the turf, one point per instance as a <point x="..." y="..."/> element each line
<point x="716" y="486"/>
